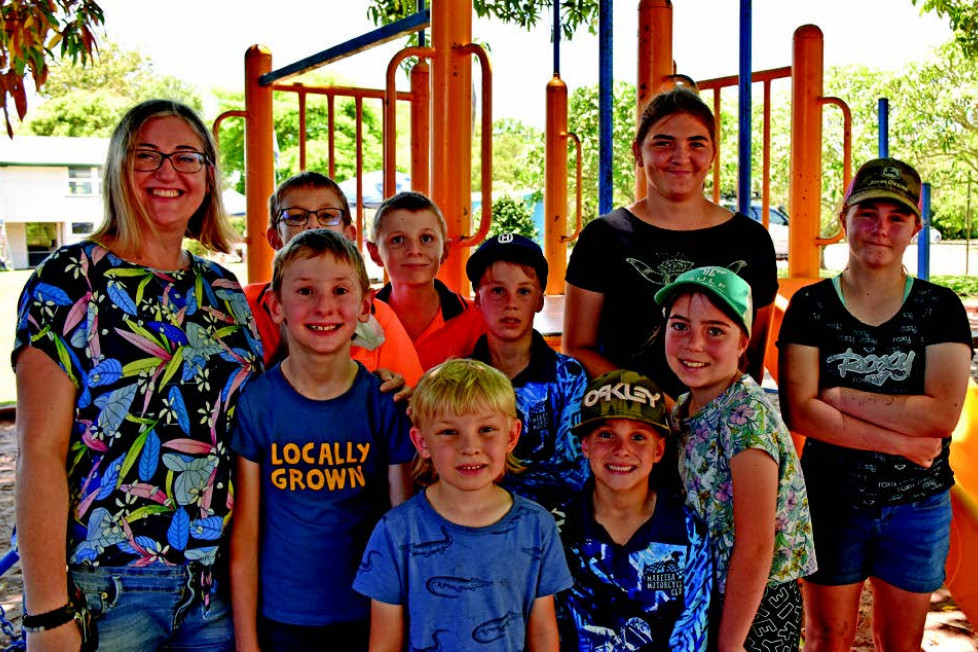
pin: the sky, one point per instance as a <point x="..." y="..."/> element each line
<point x="204" y="41"/>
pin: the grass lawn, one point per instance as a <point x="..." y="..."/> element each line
<point x="11" y="284"/>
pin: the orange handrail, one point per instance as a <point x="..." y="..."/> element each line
<point x="215" y="129"/>
<point x="485" y="219"/>
<point x="579" y="224"/>
<point x="846" y="157"/>
<point x="390" y="114"/>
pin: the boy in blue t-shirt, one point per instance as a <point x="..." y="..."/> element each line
<point x="640" y="558"/>
<point x="508" y="274"/>
<point x="464" y="564"/>
<point x="321" y="455"/>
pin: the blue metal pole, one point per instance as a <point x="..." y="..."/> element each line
<point x="744" y="88"/>
<point x="884" y="126"/>
<point x="421" y="32"/>
<point x="923" y="238"/>
<point x="556" y="38"/>
<point x="605" y="108"/>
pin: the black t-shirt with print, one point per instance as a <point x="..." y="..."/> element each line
<point x="628" y="261"/>
<point x="885" y="359"/>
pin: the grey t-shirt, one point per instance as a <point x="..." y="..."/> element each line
<point x="464" y="587"/>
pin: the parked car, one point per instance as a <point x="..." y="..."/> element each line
<point x="935" y="236"/>
<point x="777" y="224"/>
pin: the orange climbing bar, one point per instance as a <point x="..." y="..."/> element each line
<point x="260" y="157"/>
<point x="805" y="201"/>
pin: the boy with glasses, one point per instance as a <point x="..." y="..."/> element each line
<point x="310" y="200"/>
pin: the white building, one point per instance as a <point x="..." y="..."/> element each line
<point x="50" y="193"/>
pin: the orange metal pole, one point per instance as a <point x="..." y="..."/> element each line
<point x="451" y="134"/>
<point x="331" y="104"/>
<point x="420" y="127"/>
<point x="805" y="194"/>
<point x="260" y="168"/>
<point x="654" y="60"/>
<point x="302" y="130"/>
<point x="718" y="145"/>
<point x="766" y="165"/>
<point x="555" y="185"/>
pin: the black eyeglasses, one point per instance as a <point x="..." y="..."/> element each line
<point x="325" y="217"/>
<point x="150" y="160"/>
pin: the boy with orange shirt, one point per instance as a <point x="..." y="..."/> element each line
<point x="410" y="239"/>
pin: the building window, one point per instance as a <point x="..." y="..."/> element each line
<point x="82" y="228"/>
<point x="82" y="181"/>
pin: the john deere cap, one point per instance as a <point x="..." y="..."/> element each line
<point x="721" y="284"/>
<point x="885" y="178"/>
<point x="622" y="394"/>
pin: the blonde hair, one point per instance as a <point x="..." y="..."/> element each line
<point x="460" y="386"/>
<point x="125" y="218"/>
<point x="312" y="244"/>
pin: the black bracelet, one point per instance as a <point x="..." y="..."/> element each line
<point x="49" y="619"/>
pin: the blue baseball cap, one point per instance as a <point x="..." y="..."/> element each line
<point x="512" y="248"/>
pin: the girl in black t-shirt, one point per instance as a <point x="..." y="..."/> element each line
<point x="874" y="368"/>
<point x="622" y="259"/>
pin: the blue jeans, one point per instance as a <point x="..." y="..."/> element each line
<point x="153" y="608"/>
<point x="903" y="545"/>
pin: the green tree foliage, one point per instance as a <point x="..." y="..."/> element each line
<point x="963" y="15"/>
<point x="525" y="13"/>
<point x="90" y="100"/>
<point x="35" y="32"/>
<point x="286" y="123"/>
<point x="511" y="215"/>
<point x="583" y="119"/>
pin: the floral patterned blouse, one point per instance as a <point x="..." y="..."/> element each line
<point x="158" y="359"/>
<point x="737" y="420"/>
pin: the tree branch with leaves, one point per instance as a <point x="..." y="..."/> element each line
<point x="525" y="13"/>
<point x="34" y="32"/>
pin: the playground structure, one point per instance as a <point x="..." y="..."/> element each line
<point x="441" y="105"/>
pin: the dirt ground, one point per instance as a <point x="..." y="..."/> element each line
<point x="947" y="628"/>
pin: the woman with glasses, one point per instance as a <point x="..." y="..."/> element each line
<point x="130" y="353"/>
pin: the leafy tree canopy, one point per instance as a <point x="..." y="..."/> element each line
<point x="286" y="125"/>
<point x="121" y="78"/>
<point x="34" y="32"/>
<point x="525" y="13"/>
<point x="963" y="15"/>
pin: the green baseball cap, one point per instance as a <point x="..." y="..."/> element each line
<point x="885" y="178"/>
<point x="622" y="394"/>
<point x="720" y="283"/>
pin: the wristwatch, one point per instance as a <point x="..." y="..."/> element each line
<point x="49" y="619"/>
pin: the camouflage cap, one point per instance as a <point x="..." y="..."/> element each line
<point x="622" y="394"/>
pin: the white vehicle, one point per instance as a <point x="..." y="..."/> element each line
<point x="777" y="225"/>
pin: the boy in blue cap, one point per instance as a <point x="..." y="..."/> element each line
<point x="508" y="274"/>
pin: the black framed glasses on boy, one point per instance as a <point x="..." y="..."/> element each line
<point x="187" y="161"/>
<point x="325" y="217"/>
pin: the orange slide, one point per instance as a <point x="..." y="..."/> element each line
<point x="962" y="560"/>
